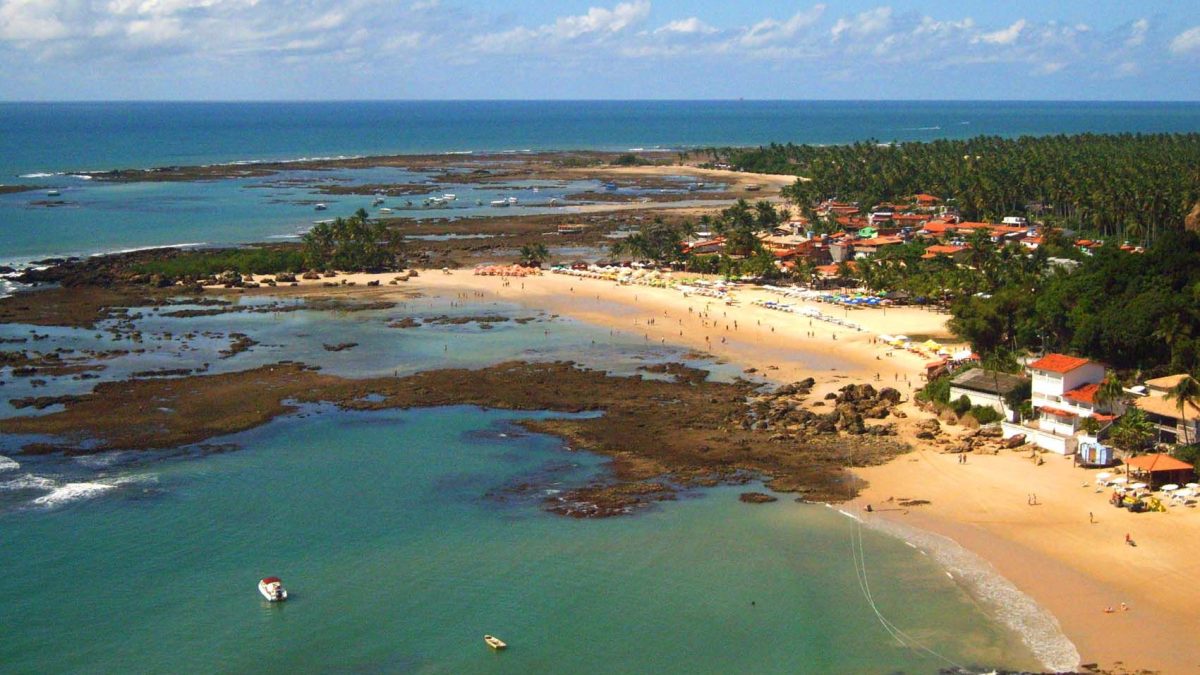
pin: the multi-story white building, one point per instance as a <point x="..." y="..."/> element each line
<point x="1064" y="394"/>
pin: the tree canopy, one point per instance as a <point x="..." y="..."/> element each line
<point x="1127" y="185"/>
<point x="353" y="244"/>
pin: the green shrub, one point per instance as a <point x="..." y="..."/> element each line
<point x="962" y="405"/>
<point x="196" y="264"/>
<point x="986" y="414"/>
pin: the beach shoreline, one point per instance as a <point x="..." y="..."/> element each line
<point x="1070" y="567"/>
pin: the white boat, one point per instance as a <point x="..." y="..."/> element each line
<point x="320" y="207"/>
<point x="272" y="589"/>
<point x="53" y="193"/>
<point x="499" y="202"/>
<point x="494" y="642"/>
<point x="377" y="201"/>
<point x="449" y="196"/>
<point x="512" y="200"/>
<point x="385" y="210"/>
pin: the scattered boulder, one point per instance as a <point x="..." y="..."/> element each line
<point x="757" y="498"/>
<point x="1014" y="441"/>
<point x="285" y="277"/>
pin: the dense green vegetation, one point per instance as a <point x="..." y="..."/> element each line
<point x="1129" y="310"/>
<point x="352" y="244"/>
<point x="202" y="263"/>
<point x="1128" y="186"/>
<point x="739" y="224"/>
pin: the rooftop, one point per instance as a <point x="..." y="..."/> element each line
<point x="1058" y="363"/>
<point x="1165" y="383"/>
<point x="1164" y="407"/>
<point x="1084" y="394"/>
<point x="988" y="381"/>
<point x="1158" y="462"/>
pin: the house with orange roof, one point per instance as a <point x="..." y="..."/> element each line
<point x="1173" y="424"/>
<point x="1064" y="393"/>
<point x="948" y="250"/>
<point x="705" y="246"/>
<point x="926" y="200"/>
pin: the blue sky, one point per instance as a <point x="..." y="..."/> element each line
<point x="527" y="49"/>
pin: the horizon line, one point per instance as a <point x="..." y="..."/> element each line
<point x="601" y="100"/>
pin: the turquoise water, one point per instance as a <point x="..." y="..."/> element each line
<point x="51" y="137"/>
<point x="404" y="536"/>
<point x="41" y="141"/>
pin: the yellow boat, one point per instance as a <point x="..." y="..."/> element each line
<point x="494" y="642"/>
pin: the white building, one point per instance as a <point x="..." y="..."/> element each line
<point x="1064" y="394"/>
<point x="986" y="388"/>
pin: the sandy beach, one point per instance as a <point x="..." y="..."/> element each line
<point x="1072" y="567"/>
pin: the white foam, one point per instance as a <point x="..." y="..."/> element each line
<point x="8" y="464"/>
<point x="1038" y="628"/>
<point x="39" y="175"/>
<point x="27" y="482"/>
<point x="189" y="244"/>
<point x="72" y="492"/>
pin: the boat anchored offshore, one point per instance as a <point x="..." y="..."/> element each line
<point x="272" y="589"/>
<point x="320" y="207"/>
<point x="495" y="642"/>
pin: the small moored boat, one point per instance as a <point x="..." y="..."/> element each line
<point x="272" y="589"/>
<point x="494" y="642"/>
<point x="385" y="210"/>
<point x="320" y="207"/>
<point x="53" y="193"/>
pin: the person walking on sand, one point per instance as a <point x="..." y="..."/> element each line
<point x="1091" y="518"/>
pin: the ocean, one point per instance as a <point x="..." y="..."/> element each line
<point x="41" y="143"/>
<point x="404" y="536"/>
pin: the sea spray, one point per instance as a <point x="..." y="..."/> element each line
<point x="1036" y="626"/>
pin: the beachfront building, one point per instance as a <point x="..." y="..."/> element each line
<point x="1173" y="425"/>
<point x="1064" y="390"/>
<point x="989" y="388"/>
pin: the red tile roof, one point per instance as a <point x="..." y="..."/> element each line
<point x="1058" y="363"/>
<point x="1057" y="412"/>
<point x="926" y="199"/>
<point x="1084" y="394"/>
<point x="1159" y="462"/>
<point x="944" y="249"/>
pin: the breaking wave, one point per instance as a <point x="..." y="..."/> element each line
<point x="8" y="464"/>
<point x="71" y="492"/>
<point x="1038" y="629"/>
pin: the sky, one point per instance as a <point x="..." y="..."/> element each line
<point x="568" y="49"/>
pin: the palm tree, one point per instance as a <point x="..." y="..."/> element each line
<point x="1186" y="392"/>
<point x="1110" y="392"/>
<point x="533" y="255"/>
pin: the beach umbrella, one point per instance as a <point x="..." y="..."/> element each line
<point x="1138" y="486"/>
<point x="1103" y="475"/>
<point x="1169" y="487"/>
<point x="1119" y="480"/>
<point x="1193" y="485"/>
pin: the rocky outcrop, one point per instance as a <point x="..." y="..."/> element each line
<point x="757" y="498"/>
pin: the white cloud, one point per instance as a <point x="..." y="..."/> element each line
<point x="769" y="31"/>
<point x="1050" y="68"/>
<point x="866" y="23"/>
<point x="1127" y="69"/>
<point x="1137" y="33"/>
<point x="1187" y="41"/>
<point x="688" y="26"/>
<point x="599" y="23"/>
<point x="1005" y="36"/>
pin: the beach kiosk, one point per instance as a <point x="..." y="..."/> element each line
<point x="1092" y="452"/>
<point x="1160" y="469"/>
